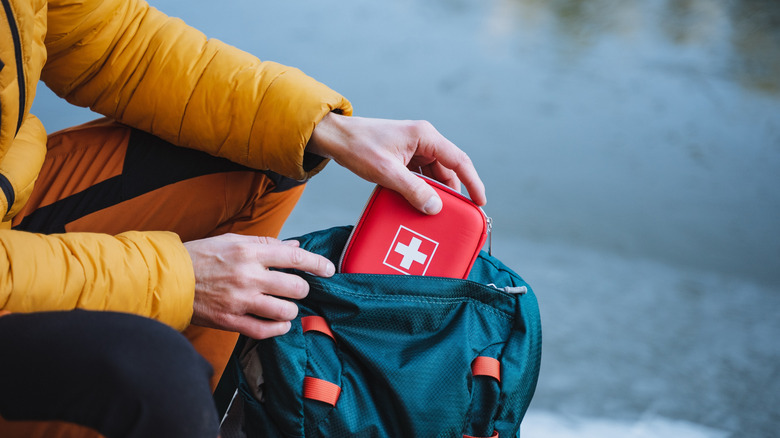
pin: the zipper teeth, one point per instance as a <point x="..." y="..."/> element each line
<point x="19" y="63"/>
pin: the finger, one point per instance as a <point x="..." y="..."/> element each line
<point x="464" y="169"/>
<point x="272" y="308"/>
<point x="418" y="192"/>
<point x="265" y="240"/>
<point x="260" y="329"/>
<point x="444" y="175"/>
<point x="284" y="285"/>
<point x="451" y="157"/>
<point x="286" y="256"/>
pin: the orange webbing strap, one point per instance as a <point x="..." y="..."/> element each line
<point x="316" y="323"/>
<point x="495" y="435"/>
<point x="486" y="366"/>
<point x="321" y="390"/>
<point x="313" y="388"/>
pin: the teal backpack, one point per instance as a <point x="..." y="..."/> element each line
<point x="391" y="356"/>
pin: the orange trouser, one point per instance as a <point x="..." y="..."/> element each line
<point x="105" y="177"/>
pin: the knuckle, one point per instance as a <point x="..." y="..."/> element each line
<point x="463" y="158"/>
<point x="422" y="126"/>
<point x="225" y="321"/>
<point x="263" y="240"/>
<point x="242" y="251"/>
<point x="296" y="257"/>
<point x="241" y="282"/>
<point x="463" y="161"/>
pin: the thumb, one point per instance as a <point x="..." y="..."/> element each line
<point x="419" y="193"/>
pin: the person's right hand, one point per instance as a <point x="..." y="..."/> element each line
<point x="385" y="151"/>
<point x="235" y="290"/>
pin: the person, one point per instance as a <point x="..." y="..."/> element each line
<point x="161" y="219"/>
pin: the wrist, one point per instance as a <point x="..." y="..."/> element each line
<point x="326" y="134"/>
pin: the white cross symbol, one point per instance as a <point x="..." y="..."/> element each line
<point x="411" y="253"/>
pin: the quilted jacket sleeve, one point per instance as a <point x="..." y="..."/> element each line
<point x="126" y="60"/>
<point x="133" y="272"/>
<point x="22" y="162"/>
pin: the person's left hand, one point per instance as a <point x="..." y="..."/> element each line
<point x="235" y="289"/>
<point x="382" y="151"/>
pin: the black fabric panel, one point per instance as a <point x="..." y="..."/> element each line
<point x="150" y="164"/>
<point x="53" y="217"/>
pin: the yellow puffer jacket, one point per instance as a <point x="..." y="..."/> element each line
<point x="128" y="61"/>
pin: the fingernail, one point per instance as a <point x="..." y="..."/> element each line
<point x="433" y="205"/>
<point x="330" y="270"/>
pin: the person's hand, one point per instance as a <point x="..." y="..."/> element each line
<point x="382" y="151"/>
<point x="235" y="290"/>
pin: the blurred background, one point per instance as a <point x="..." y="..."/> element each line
<point x="631" y="153"/>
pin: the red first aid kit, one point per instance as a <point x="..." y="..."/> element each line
<point x="392" y="237"/>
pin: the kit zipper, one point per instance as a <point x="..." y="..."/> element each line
<point x="19" y="62"/>
<point x="490" y="234"/>
<point x="488" y="219"/>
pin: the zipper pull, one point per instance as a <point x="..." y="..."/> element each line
<point x="516" y="290"/>
<point x="490" y="234"/>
